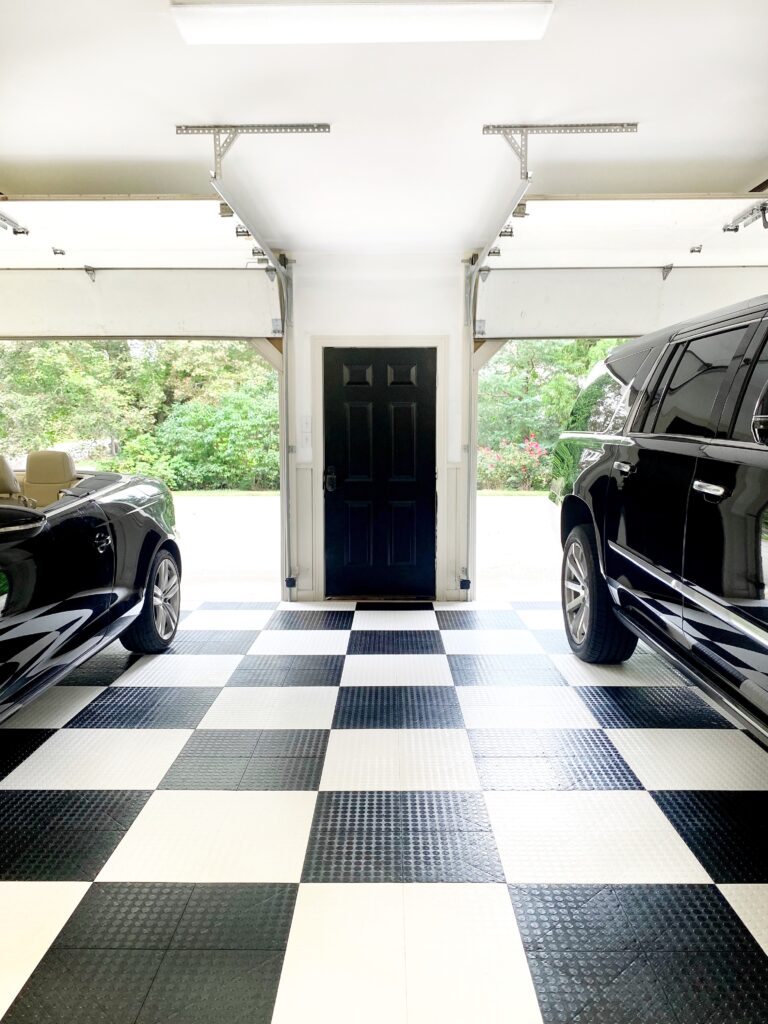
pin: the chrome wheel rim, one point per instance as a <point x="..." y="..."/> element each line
<point x="576" y="593"/>
<point x="166" y="596"/>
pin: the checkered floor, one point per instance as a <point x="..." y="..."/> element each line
<point x="380" y="813"/>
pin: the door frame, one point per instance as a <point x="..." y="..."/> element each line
<point x="319" y="344"/>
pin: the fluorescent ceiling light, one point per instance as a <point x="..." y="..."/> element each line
<point x="380" y="21"/>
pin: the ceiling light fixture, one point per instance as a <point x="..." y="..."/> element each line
<point x="347" y="21"/>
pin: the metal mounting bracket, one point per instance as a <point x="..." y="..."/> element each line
<point x="225" y="135"/>
<point x="517" y="134"/>
<point x="746" y="217"/>
<point x="666" y="270"/>
<point x="8" y="222"/>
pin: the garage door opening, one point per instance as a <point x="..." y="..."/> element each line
<point x="201" y="415"/>
<point x="525" y="396"/>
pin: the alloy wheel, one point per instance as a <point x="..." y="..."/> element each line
<point x="576" y="593"/>
<point x="166" y="597"/>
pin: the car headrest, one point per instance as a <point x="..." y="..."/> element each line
<point x="8" y="482"/>
<point x="49" y="468"/>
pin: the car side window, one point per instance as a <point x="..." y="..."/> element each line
<point x="608" y="394"/>
<point x="689" y="403"/>
<point x="742" y="430"/>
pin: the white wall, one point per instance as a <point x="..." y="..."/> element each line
<point x="137" y="303"/>
<point x="610" y="302"/>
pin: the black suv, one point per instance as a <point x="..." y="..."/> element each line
<point x="663" y="478"/>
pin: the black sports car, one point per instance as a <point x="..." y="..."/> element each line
<point x="83" y="559"/>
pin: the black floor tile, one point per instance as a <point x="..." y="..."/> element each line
<point x="102" y="669"/>
<point x="55" y="854"/>
<point x="147" y="707"/>
<point x="599" y="988"/>
<point x="101" y="810"/>
<point x="395" y="641"/>
<point x="290" y="773"/>
<point x="353" y="855"/>
<point x="288" y="670"/>
<point x="650" y="707"/>
<point x="17" y="744"/>
<point x="590" y="745"/>
<point x="395" y="606"/>
<point x="238" y="606"/>
<point x="398" y="707"/>
<point x="552" y="773"/>
<point x="225" y="773"/>
<point x="450" y="856"/>
<point x="213" y="641"/>
<point x="126" y="915"/>
<point x="311" y="620"/>
<point x="576" y="918"/>
<point x="443" y="810"/>
<point x="504" y="670"/>
<point x="357" y="810"/>
<point x="292" y="743"/>
<point x="237" y="916"/>
<point x="479" y="620"/>
<point x="715" y="988"/>
<point x="725" y="831"/>
<point x="89" y="986"/>
<point x="210" y="986"/>
<point x="226" y="743"/>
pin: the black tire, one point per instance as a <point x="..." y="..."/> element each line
<point x="594" y="633"/>
<point x="153" y="630"/>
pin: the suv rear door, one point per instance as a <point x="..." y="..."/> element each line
<point x="651" y="480"/>
<point x="726" y="547"/>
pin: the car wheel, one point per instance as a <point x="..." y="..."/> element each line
<point x="594" y="633"/>
<point x="155" y="627"/>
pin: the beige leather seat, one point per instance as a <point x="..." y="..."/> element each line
<point x="10" y="488"/>
<point x="47" y="474"/>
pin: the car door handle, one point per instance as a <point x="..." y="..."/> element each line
<point x="711" y="490"/>
<point x="624" y="468"/>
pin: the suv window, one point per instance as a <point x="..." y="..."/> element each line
<point x="742" y="430"/>
<point x="689" y="403"/>
<point x="608" y="395"/>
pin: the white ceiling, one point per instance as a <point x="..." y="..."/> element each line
<point x="556" y="233"/>
<point x="91" y="90"/>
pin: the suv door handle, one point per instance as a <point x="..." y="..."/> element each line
<point x="624" y="468"/>
<point x="711" y="490"/>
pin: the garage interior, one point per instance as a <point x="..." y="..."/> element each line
<point x="380" y="798"/>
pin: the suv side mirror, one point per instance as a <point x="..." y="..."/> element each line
<point x="19" y="523"/>
<point x="760" y="418"/>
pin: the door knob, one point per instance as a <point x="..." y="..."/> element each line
<point x="329" y="479"/>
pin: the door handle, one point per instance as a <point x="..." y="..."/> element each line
<point x="624" y="468"/>
<point x="329" y="479"/>
<point x="711" y="490"/>
<point x="102" y="541"/>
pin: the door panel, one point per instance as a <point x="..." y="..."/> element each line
<point x="380" y="496"/>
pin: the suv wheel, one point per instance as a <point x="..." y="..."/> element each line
<point x="152" y="632"/>
<point x="594" y="633"/>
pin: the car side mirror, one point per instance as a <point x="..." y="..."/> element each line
<point x="760" y="418"/>
<point x="19" y="523"/>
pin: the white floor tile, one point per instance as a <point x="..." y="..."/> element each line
<point x="399" y="759"/>
<point x="464" y="958"/>
<point x="542" y="619"/>
<point x="472" y="606"/>
<point x="345" y="960"/>
<point x="751" y="904"/>
<point x="395" y="620"/>
<point x="272" y="707"/>
<point x="226" y="619"/>
<point x="692" y="758"/>
<point x="180" y="670"/>
<point x="490" y="641"/>
<point x="215" y="836"/>
<point x="396" y="670"/>
<point x="643" y="669"/>
<point x="524" y="707"/>
<point x="54" y="708"/>
<point x="99" y="759"/>
<point x="301" y="641"/>
<point x="608" y="837"/>
<point x="32" y="915"/>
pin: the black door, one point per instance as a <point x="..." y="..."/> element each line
<point x="379" y="478"/>
<point x="726" y="544"/>
<point x="55" y="593"/>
